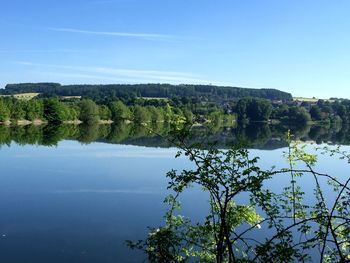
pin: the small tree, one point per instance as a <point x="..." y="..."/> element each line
<point x="54" y="111"/>
<point x="89" y="111"/>
<point x="229" y="233"/>
<point x="120" y="111"/>
<point x="34" y="109"/>
<point x="141" y="115"/>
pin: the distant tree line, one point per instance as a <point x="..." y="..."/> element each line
<point x="53" y="110"/>
<point x="128" y="92"/>
<point x="248" y="109"/>
<point x="256" y="109"/>
<point x="164" y="103"/>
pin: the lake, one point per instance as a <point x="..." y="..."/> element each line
<point x="75" y="194"/>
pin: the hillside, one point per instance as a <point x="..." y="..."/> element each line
<point x="103" y="93"/>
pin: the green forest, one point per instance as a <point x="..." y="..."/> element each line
<point x="128" y="93"/>
<point x="54" y="103"/>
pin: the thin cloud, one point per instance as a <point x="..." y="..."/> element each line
<point x="146" y="36"/>
<point x="107" y="191"/>
<point x="120" y="74"/>
<point x="49" y="51"/>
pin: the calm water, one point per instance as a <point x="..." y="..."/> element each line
<point x="79" y="202"/>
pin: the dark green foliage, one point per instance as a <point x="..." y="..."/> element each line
<point x="88" y="133"/>
<point x="29" y="87"/>
<point x="177" y="112"/>
<point x="141" y="114"/>
<point x="253" y="109"/>
<point x="216" y="119"/>
<point x="107" y="93"/>
<point x="5" y="135"/>
<point x="54" y="111"/>
<point x="259" y="110"/>
<point x="188" y="115"/>
<point x="53" y="133"/>
<point x="89" y="111"/>
<point x="316" y="113"/>
<point x="34" y="109"/>
<point x="280" y="112"/>
<point x="120" y="111"/>
<point x="119" y="132"/>
<point x="156" y="114"/>
<point x="105" y="113"/>
<point x="18" y="110"/>
<point x="4" y="111"/>
<point x="291" y="115"/>
<point x="298" y="115"/>
<point x="72" y="112"/>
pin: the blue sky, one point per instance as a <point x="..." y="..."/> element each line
<point x="302" y="47"/>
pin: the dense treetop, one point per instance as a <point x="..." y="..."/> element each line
<point x="103" y="93"/>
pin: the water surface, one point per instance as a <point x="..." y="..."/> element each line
<point x="78" y="202"/>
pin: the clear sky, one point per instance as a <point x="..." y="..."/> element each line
<point x="299" y="46"/>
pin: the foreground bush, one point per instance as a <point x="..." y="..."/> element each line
<point x="298" y="231"/>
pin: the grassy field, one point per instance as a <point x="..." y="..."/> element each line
<point x="29" y="96"/>
<point x="314" y="100"/>
<point x="305" y="99"/>
<point x="71" y="97"/>
<point x="25" y="96"/>
<point x="154" y="98"/>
